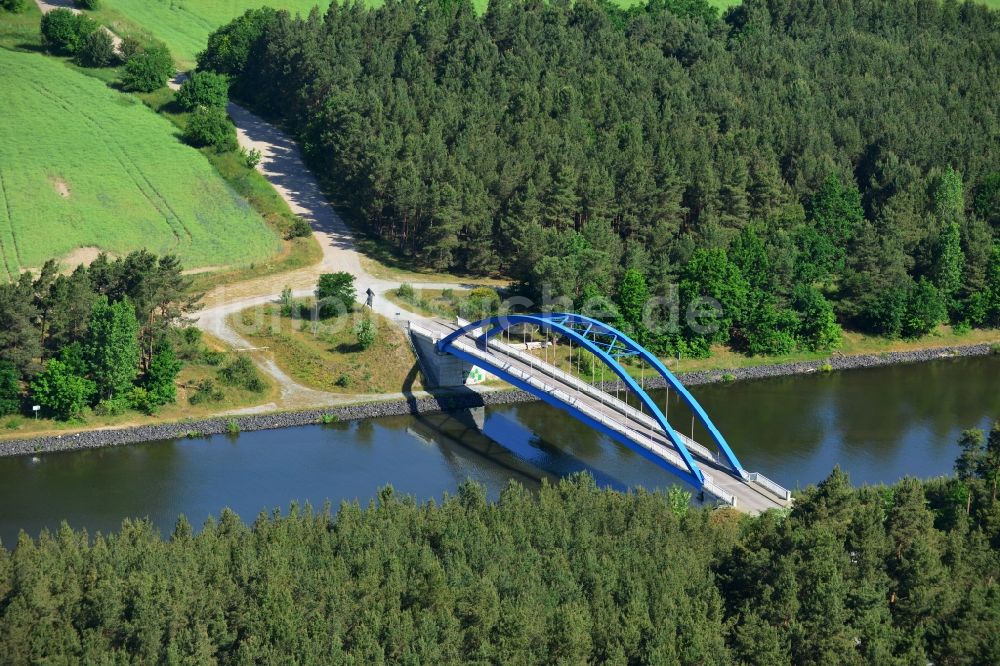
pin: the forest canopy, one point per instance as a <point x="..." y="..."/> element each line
<point x="851" y="145"/>
<point x="572" y="574"/>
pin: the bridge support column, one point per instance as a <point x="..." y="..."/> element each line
<point x="441" y="370"/>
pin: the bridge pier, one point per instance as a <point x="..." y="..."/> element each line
<point x="440" y="369"/>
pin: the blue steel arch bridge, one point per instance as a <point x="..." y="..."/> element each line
<point x="516" y="349"/>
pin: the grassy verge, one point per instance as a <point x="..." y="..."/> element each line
<point x="191" y="376"/>
<point x="326" y="355"/>
<point x="250" y="184"/>
<point x="19" y="32"/>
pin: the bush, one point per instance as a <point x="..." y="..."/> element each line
<point x="243" y="374"/>
<point x="406" y="292"/>
<point x="148" y="70"/>
<point x="232" y="427"/>
<point x="64" y="32"/>
<point x="210" y="126"/>
<point x="98" y="50"/>
<point x="203" y="89"/>
<point x="252" y="158"/>
<point x="10" y="388"/>
<point x="112" y="406"/>
<point x="130" y="47"/>
<point x="142" y="400"/>
<point x="61" y="392"/>
<point x="343" y="381"/>
<point x="14" y="6"/>
<point x="335" y="294"/>
<point x="205" y="392"/>
<point x="299" y="229"/>
<point x="366" y="332"/>
<point x="212" y="358"/>
<point x="87" y="4"/>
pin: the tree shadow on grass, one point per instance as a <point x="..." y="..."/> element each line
<point x="28" y="47"/>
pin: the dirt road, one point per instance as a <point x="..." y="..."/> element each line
<point x="282" y="164"/>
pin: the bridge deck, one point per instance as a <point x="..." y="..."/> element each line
<point x="616" y="415"/>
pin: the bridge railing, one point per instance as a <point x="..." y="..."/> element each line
<point x="594" y="392"/>
<point x="633" y="435"/>
<point x="771" y="486"/>
<point x="713" y="489"/>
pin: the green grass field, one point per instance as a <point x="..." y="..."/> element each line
<point x="185" y="25"/>
<point x="84" y="166"/>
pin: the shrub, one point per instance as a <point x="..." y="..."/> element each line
<point x="448" y="294"/>
<point x="366" y="332"/>
<point x="995" y="348"/>
<point x="148" y="70"/>
<point x="406" y="292"/>
<point x="14" y="6"/>
<point x="335" y="294"/>
<point x="205" y="392"/>
<point x="210" y="126"/>
<point x="142" y="400"/>
<point x="112" y="406"/>
<point x="252" y="158"/>
<point x="327" y="419"/>
<point x="244" y="374"/>
<point x="728" y="377"/>
<point x="289" y="307"/>
<point x="61" y="392"/>
<point x="87" y="4"/>
<point x="299" y="229"/>
<point x="826" y="368"/>
<point x="232" y="427"/>
<point x="343" y="381"/>
<point x="212" y="358"/>
<point x="203" y="89"/>
<point x="98" y="50"/>
<point x="64" y="32"/>
<point x="130" y="46"/>
<point x="12" y="424"/>
<point x="481" y="302"/>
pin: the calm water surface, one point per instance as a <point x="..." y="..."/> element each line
<point x="878" y="425"/>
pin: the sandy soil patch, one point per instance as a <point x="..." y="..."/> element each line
<point x="80" y="256"/>
<point x="60" y="186"/>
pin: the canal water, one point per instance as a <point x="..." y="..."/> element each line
<point x="877" y="424"/>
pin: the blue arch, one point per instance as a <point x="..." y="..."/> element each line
<point x="607" y="344"/>
<point x="668" y="377"/>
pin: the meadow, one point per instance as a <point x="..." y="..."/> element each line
<point x="326" y="356"/>
<point x="185" y="26"/>
<point x="85" y="166"/>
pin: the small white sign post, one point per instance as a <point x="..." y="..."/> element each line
<point x="35" y="409"/>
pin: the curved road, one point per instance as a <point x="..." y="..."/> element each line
<point x="282" y="164"/>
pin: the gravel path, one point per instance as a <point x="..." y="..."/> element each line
<point x="281" y="163"/>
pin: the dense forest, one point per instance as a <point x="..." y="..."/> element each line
<point x="573" y="574"/>
<point x="823" y="156"/>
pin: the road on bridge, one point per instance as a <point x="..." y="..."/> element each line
<point x="630" y="423"/>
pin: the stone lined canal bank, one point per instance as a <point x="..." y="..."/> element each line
<point x="458" y="399"/>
